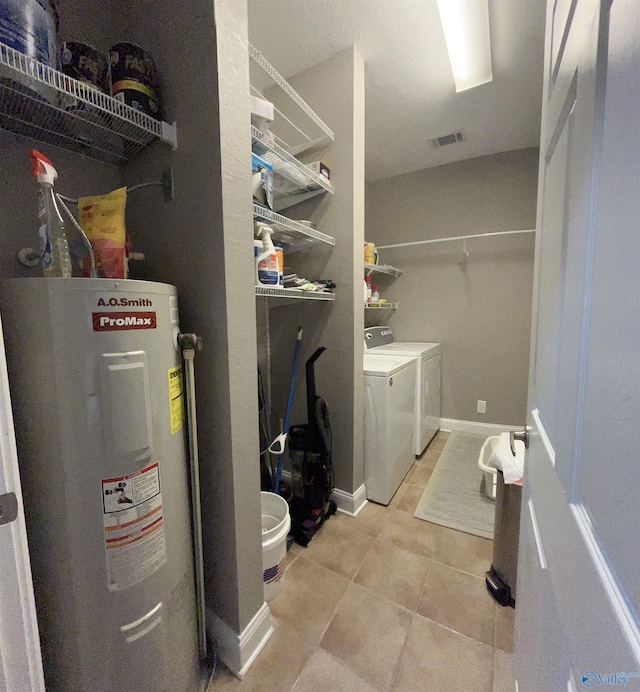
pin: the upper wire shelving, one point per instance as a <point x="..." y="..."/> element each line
<point x="297" y="136"/>
<point x="308" y="127"/>
<point x="41" y="103"/>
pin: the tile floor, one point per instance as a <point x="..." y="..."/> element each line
<point x="385" y="601"/>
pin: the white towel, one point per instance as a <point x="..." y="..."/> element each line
<point x="502" y="459"/>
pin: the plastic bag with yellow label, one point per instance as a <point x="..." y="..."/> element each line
<point x="102" y="219"/>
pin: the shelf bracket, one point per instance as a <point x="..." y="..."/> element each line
<point x="170" y="134"/>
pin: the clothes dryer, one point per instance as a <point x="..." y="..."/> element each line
<point x="389" y="423"/>
<point x="380" y="340"/>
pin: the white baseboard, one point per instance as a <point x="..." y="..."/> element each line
<point x="239" y="651"/>
<point x="349" y="503"/>
<point x="470" y="426"/>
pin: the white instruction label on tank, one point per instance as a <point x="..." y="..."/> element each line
<point x="173" y="309"/>
<point x="133" y="527"/>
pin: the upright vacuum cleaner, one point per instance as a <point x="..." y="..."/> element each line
<point x="311" y="466"/>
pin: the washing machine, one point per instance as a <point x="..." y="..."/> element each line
<point x="380" y="340"/>
<point x="389" y="423"/>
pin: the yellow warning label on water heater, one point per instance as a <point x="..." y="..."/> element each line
<point x="176" y="399"/>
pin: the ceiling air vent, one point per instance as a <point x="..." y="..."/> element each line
<point x="447" y="139"/>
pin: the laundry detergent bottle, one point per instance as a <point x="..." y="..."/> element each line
<point x="267" y="271"/>
<point x="54" y="246"/>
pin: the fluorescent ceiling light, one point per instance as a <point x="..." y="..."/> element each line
<point x="466" y="31"/>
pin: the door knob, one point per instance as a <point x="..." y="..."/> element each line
<point x="522" y="435"/>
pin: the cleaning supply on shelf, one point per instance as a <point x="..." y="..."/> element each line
<point x="262" y="113"/>
<point x="102" y="219"/>
<point x="54" y="245"/>
<point x="30" y="27"/>
<point x="320" y="169"/>
<point x="262" y="181"/>
<point x="370" y="253"/>
<point x="267" y="272"/>
<point x="134" y="78"/>
<point x="280" y="256"/>
<point x="83" y="62"/>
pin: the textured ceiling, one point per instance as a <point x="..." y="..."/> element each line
<point x="410" y="94"/>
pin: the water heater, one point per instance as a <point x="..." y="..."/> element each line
<point x="97" y="396"/>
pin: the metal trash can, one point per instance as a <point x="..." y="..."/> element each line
<point x="501" y="578"/>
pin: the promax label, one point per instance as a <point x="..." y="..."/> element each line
<point x="115" y="321"/>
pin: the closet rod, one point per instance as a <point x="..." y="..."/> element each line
<point x="457" y="237"/>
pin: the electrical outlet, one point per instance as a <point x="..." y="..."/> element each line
<point x="482" y="406"/>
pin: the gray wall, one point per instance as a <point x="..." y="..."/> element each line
<point x="202" y="243"/>
<point x="335" y="90"/>
<point x="478" y="306"/>
<point x="100" y="24"/>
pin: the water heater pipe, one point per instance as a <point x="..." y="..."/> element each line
<point x="189" y="343"/>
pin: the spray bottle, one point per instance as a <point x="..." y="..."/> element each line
<point x="54" y="246"/>
<point x="267" y="272"/>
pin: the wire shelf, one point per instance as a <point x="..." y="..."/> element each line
<point x="291" y="177"/>
<point x="382" y="269"/>
<point x="294" y="293"/>
<point x="378" y="313"/>
<point x="267" y="76"/>
<point x="41" y="103"/>
<point x="381" y="306"/>
<point x="290" y="232"/>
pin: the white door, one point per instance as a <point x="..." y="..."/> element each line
<point x="20" y="662"/>
<point x="577" y="616"/>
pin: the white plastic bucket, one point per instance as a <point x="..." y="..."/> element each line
<point x="276" y="523"/>
<point x="490" y="473"/>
